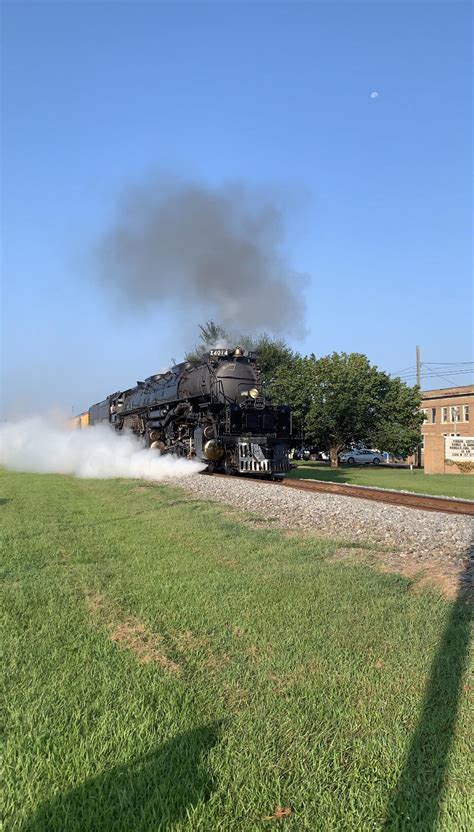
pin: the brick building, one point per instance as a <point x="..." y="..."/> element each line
<point x="449" y="412"/>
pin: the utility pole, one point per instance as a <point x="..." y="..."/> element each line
<point x="418" y="381"/>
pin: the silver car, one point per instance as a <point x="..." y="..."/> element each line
<point x="362" y="456"/>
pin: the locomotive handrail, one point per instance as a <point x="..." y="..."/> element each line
<point x="216" y="382"/>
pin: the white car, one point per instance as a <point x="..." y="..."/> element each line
<point x="362" y="456"/>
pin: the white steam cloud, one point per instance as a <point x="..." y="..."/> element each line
<point x="93" y="453"/>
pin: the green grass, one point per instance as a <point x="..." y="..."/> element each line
<point x="281" y="677"/>
<point x="400" y="479"/>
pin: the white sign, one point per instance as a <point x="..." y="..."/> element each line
<point x="459" y="448"/>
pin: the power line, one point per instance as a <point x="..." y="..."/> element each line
<point x="445" y="378"/>
<point x="434" y="365"/>
<point x="411" y="367"/>
<point x="447" y="363"/>
<point x="430" y="375"/>
<point x="446" y="367"/>
<point x="431" y="378"/>
<point x="454" y="371"/>
<point x="434" y="370"/>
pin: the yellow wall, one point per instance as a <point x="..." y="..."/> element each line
<point x="78" y="422"/>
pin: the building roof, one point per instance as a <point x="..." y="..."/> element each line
<point x="447" y="392"/>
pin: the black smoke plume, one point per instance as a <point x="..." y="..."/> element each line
<point x="217" y="249"/>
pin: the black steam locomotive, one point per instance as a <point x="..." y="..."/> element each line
<point x="214" y="411"/>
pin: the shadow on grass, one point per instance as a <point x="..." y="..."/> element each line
<point x="415" y="803"/>
<point x="151" y="792"/>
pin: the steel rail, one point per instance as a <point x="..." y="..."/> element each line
<point x="422" y="502"/>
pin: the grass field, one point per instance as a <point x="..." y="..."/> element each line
<point x="169" y="667"/>
<point x="400" y="479"/>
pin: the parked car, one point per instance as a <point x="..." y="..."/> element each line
<point x="361" y="456"/>
<point x="296" y="453"/>
<point x="314" y="453"/>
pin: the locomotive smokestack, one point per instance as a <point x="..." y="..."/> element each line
<point x="197" y="246"/>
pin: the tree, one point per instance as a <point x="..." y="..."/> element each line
<point x="273" y="356"/>
<point x="212" y="335"/>
<point x="293" y="384"/>
<point x="352" y="401"/>
<point x="273" y="353"/>
<point x="398" y="431"/>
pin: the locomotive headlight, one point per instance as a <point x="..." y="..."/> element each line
<point x="253" y="393"/>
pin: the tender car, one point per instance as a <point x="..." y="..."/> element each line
<point x="361" y="456"/>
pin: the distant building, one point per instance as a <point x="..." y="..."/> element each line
<point x="449" y="415"/>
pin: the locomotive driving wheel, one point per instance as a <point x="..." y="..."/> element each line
<point x="160" y="446"/>
<point x="230" y="467"/>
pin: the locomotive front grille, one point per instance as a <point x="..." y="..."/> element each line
<point x="252" y="459"/>
<point x="252" y="466"/>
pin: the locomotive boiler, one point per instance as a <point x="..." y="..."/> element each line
<point x="214" y="411"/>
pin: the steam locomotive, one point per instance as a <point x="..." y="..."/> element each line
<point x="214" y="411"/>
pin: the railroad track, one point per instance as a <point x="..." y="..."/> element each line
<point x="446" y="505"/>
<point x="443" y="504"/>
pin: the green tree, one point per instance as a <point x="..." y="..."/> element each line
<point x="352" y="401"/>
<point x="398" y="431"/>
<point x="211" y="335"/>
<point x="273" y="353"/>
<point x="293" y="383"/>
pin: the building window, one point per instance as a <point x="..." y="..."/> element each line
<point x="444" y="414"/>
<point x="465" y="413"/>
<point x="454" y="414"/>
<point x="425" y="412"/>
<point x="422" y="443"/>
<point x="433" y="415"/>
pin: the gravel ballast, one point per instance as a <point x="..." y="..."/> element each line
<point x="423" y="538"/>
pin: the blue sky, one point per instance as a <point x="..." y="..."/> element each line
<point x="99" y="95"/>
